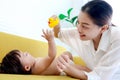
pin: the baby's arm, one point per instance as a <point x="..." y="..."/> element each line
<point x="48" y="35"/>
<point x="46" y="61"/>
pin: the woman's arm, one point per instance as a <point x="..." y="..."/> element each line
<point x="56" y="30"/>
<point x="84" y="68"/>
<point x="64" y="65"/>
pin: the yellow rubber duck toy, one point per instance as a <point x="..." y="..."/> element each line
<point x="53" y="22"/>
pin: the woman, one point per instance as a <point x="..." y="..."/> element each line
<point x="95" y="40"/>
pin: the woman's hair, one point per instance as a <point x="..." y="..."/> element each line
<point x="12" y="65"/>
<point x="99" y="11"/>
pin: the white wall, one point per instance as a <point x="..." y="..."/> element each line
<point x="28" y="17"/>
<point x="116" y="11"/>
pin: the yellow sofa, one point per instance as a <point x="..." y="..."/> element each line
<point x="37" y="48"/>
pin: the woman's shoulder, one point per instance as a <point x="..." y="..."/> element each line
<point x="115" y="30"/>
<point x="115" y="33"/>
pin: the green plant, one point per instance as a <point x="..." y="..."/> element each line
<point x="68" y="18"/>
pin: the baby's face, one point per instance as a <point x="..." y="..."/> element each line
<point x="26" y="59"/>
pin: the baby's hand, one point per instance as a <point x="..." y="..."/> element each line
<point x="48" y="34"/>
<point x="53" y="21"/>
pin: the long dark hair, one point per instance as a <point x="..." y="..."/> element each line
<point x="99" y="11"/>
<point x="12" y="65"/>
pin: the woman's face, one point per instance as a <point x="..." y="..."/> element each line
<point x="86" y="28"/>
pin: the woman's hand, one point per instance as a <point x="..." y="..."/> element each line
<point x="62" y="62"/>
<point x="56" y="28"/>
<point x="53" y="21"/>
<point x="64" y="65"/>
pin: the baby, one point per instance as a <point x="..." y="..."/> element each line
<point x="18" y="62"/>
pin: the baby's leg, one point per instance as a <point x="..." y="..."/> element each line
<point x="68" y="54"/>
<point x="70" y="60"/>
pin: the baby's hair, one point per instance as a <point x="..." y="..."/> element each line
<point x="11" y="64"/>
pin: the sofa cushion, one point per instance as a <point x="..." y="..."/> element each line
<point x="33" y="77"/>
<point x="36" y="48"/>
